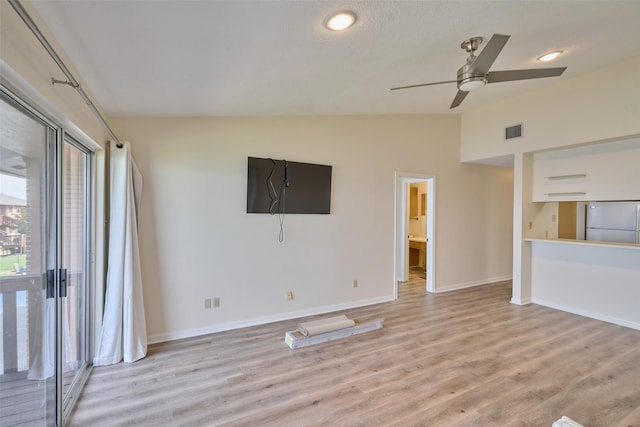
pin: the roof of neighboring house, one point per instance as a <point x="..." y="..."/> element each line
<point x="11" y="201"/>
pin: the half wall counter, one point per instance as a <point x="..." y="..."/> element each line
<point x="593" y="279"/>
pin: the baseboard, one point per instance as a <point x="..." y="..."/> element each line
<point x="523" y="301"/>
<point x="221" y="327"/>
<point x="587" y="313"/>
<point x="466" y="285"/>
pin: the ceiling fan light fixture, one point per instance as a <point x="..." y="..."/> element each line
<point x="472" y="83"/>
<point x="550" y="56"/>
<point x="340" y="21"/>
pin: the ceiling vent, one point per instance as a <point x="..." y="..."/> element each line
<point x="513" y="132"/>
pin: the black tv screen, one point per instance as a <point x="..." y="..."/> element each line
<point x="282" y="186"/>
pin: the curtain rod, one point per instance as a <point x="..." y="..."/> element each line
<point x="72" y="81"/>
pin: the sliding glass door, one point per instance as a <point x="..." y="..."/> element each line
<point x="44" y="265"/>
<point x="28" y="216"/>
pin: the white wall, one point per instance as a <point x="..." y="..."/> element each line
<point x="198" y="242"/>
<point x="544" y="224"/>
<point x="599" y="281"/>
<point x="598" y="106"/>
<point x="23" y="55"/>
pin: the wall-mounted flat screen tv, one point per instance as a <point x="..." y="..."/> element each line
<point x="282" y="186"/>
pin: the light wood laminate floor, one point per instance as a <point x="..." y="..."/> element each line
<point x="463" y="358"/>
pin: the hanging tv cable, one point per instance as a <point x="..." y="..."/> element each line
<point x="273" y="194"/>
<point x="286" y="173"/>
<point x="281" y="206"/>
<point x="278" y="197"/>
<point x="281" y="215"/>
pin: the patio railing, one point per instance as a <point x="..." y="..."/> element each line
<point x="21" y="297"/>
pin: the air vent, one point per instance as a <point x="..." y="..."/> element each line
<point x="512" y="132"/>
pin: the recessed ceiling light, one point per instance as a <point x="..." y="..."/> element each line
<point x="550" y="56"/>
<point x="340" y="21"/>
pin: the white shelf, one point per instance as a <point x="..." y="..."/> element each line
<point x="606" y="171"/>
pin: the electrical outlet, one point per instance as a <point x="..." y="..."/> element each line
<point x="289" y="295"/>
<point x="554" y="218"/>
<point x="207" y="303"/>
<point x="216" y="302"/>
<point x="546" y="234"/>
<point x="355" y="283"/>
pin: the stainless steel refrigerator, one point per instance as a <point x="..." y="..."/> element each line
<point x="613" y="222"/>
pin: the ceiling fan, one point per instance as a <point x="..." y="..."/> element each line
<point x="475" y="73"/>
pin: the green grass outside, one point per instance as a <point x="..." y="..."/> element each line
<point x="6" y="264"/>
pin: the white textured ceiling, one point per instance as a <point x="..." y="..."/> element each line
<point x="193" y="58"/>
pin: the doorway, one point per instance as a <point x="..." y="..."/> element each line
<point x="407" y="217"/>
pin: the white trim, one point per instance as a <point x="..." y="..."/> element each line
<point x="474" y="283"/>
<point x="400" y="273"/>
<point x="220" y="327"/>
<point x="525" y="301"/>
<point x="586" y="313"/>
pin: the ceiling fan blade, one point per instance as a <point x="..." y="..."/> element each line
<point x="532" y="73"/>
<point x="424" y="84"/>
<point x="487" y="57"/>
<point x="458" y="99"/>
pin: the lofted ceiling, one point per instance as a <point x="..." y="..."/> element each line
<point x="230" y="58"/>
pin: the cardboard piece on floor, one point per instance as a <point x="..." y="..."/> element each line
<point x="566" y="422"/>
<point x="294" y="339"/>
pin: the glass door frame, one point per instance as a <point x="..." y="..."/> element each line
<point x="46" y="236"/>
<point x="86" y="343"/>
<point x="54" y="145"/>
